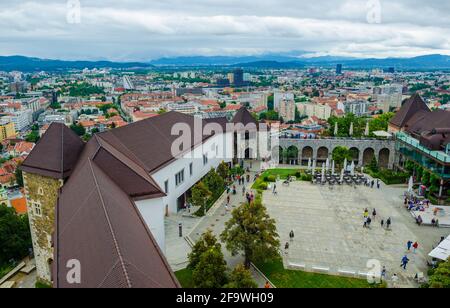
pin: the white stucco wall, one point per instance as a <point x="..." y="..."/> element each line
<point x="225" y="153"/>
<point x="153" y="213"/>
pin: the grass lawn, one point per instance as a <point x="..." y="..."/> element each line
<point x="283" y="174"/>
<point x="283" y="278"/>
<point x="5" y="270"/>
<point x="185" y="278"/>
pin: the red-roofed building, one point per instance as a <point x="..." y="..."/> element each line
<point x="20" y="205"/>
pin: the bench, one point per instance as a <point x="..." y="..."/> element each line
<point x="8" y="285"/>
<point x="321" y="269"/>
<point x="347" y="273"/>
<point x="297" y="266"/>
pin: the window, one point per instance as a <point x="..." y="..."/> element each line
<point x="205" y="159"/>
<point x="179" y="178"/>
<point x="37" y="209"/>
<point x="166" y="187"/>
<point x="191" y="169"/>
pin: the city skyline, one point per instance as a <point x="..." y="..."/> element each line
<point x="142" y="31"/>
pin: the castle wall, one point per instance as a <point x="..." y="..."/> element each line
<point x="42" y="194"/>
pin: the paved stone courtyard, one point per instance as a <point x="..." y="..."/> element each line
<point x="329" y="233"/>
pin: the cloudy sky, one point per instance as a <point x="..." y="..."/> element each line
<point x="148" y="29"/>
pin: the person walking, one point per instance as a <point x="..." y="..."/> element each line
<point x="286" y="248"/>
<point x="388" y="223"/>
<point x="382" y="223"/>
<point x="274" y="189"/>
<point x="383" y="274"/>
<point x="365" y="223"/>
<point x="415" y="246"/>
<point x="394" y="280"/>
<point x="366" y="213"/>
<point x="405" y="262"/>
<point x="374" y="214"/>
<point x="291" y="235"/>
<point x="369" y="221"/>
<point x="267" y="285"/>
<point x="409" y="245"/>
<point x="243" y="190"/>
<point x="378" y="184"/>
<point x="228" y="199"/>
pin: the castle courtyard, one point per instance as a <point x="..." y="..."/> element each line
<point x="329" y="233"/>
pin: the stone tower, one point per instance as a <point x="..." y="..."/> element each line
<point x="45" y="170"/>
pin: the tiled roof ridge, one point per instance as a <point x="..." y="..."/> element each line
<point x="111" y="229"/>
<point x="110" y="149"/>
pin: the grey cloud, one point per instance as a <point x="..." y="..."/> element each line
<point x="142" y="29"/>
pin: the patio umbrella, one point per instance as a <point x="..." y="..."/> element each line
<point x="411" y="185"/>
<point x="351" y="130"/>
<point x="352" y="168"/>
<point x="342" y="175"/>
<point x="327" y="164"/>
<point x="345" y="165"/>
<point x="332" y="167"/>
<point x="309" y="164"/>
<point x="336" y="130"/>
<point x="323" y="173"/>
<point x="314" y="165"/>
<point x="367" y="132"/>
<point x="362" y="170"/>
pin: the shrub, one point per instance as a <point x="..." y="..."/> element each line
<point x="306" y="177"/>
<point x="263" y="186"/>
<point x="270" y="178"/>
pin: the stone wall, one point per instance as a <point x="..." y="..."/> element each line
<point x="363" y="146"/>
<point x="42" y="191"/>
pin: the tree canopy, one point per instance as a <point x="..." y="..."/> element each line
<point x="441" y="276"/>
<point x="241" y="278"/>
<point x="252" y="232"/>
<point x="15" y="236"/>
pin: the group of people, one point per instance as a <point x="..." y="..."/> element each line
<point x="414" y="204"/>
<point x="291" y="238"/>
<point x="369" y="219"/>
<point x="372" y="183"/>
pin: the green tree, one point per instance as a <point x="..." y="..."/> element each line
<point x="270" y="102"/>
<point x="426" y="179"/>
<point x="215" y="183"/>
<point x="380" y="123"/>
<point x="33" y="137"/>
<point x="373" y="166"/>
<point x="206" y="242"/>
<point x="19" y="176"/>
<point x="200" y="196"/>
<point x="252" y="232"/>
<point x="340" y="154"/>
<point x="78" y="129"/>
<point x="211" y="269"/>
<point x="223" y="170"/>
<point x="241" y="278"/>
<point x="441" y="276"/>
<point x="55" y="105"/>
<point x="15" y="236"/>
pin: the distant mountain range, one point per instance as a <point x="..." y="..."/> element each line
<point x="269" y="61"/>
<point x="429" y="62"/>
<point x="26" y="64"/>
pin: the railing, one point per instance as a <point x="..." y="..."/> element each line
<point x="337" y="138"/>
<point x="439" y="155"/>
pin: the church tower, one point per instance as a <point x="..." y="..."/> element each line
<point x="44" y="172"/>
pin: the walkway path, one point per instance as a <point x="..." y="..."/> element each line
<point x="328" y="225"/>
<point x="177" y="249"/>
